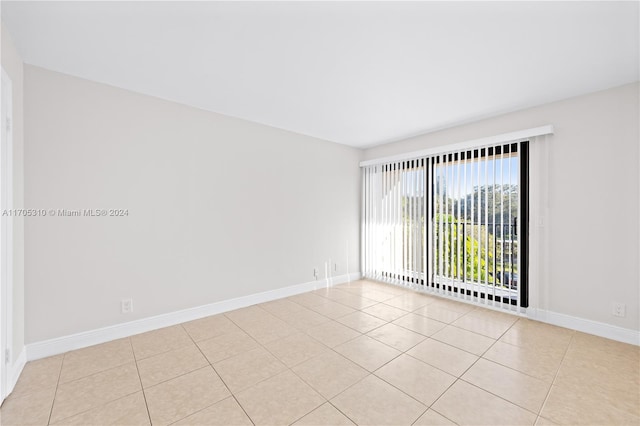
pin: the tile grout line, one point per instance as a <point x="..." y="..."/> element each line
<point x="507" y="366"/>
<point x="488" y="391"/>
<point x="332" y="349"/>
<point x="555" y="376"/>
<point x="364" y="334"/>
<point x="102" y="404"/>
<point x="220" y="377"/>
<point x="326" y="400"/>
<point x="56" y="391"/>
<point x="144" y="395"/>
<point x="513" y="369"/>
<point x="500" y="397"/>
<point x="340" y="411"/>
<point x="439" y="369"/>
<point x="372" y="373"/>
<point x="360" y="334"/>
<point x="431" y="337"/>
<point x="458" y="378"/>
<point x="287" y="367"/>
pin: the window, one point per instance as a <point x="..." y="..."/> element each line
<point x="452" y="223"/>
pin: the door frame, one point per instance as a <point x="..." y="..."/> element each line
<point x="6" y="233"/>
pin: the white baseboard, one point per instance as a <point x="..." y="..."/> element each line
<point x="15" y="370"/>
<point x="601" y="329"/>
<point x="596" y="328"/>
<point x="63" y="344"/>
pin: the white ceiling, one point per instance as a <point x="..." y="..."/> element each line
<point x="360" y="74"/>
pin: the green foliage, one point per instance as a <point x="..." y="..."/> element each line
<point x="469" y="248"/>
<point x="465" y="257"/>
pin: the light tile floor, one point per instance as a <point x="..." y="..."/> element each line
<point x="363" y="353"/>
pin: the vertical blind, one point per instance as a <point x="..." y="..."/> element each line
<point x="450" y="223"/>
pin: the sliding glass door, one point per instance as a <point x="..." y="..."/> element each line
<point x="452" y="223"/>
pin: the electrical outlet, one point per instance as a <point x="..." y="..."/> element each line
<point x="619" y="310"/>
<point x="315" y="273"/>
<point x="126" y="306"/>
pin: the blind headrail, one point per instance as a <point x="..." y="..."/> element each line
<point x="516" y="136"/>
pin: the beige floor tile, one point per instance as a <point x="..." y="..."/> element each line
<point x="541" y="421"/>
<point x="453" y="305"/>
<point x="38" y="375"/>
<point x="482" y="325"/>
<point x="354" y="285"/>
<point x="178" y="398"/>
<point x="606" y="356"/>
<point x="384" y="312"/>
<point x="372" y="401"/>
<point x="361" y="321"/>
<point x="447" y="358"/>
<point x="367" y="352"/>
<point x="417" y="379"/>
<point x="597" y="381"/>
<point x="169" y="365"/>
<point x="524" y="391"/>
<point x="357" y="289"/>
<point x="332" y="310"/>
<point x="438" y="313"/>
<point x="611" y="369"/>
<point x="542" y="362"/>
<point x="248" y="368"/>
<point x="280" y="400"/>
<point x="397" y="337"/>
<point x="31" y="409"/>
<point x="84" y="362"/>
<point x="332" y="333"/>
<point x="420" y="324"/>
<point x="355" y="301"/>
<point x="280" y="307"/>
<point x="224" y="413"/>
<point x="227" y="345"/>
<point x="463" y="339"/>
<point x="506" y="318"/>
<point x="304" y="319"/>
<point x="208" y="327"/>
<point x="332" y="293"/>
<point x="370" y="285"/>
<point x="326" y="414"/>
<point x="248" y="315"/>
<point x="294" y="349"/>
<point x="330" y="373"/>
<point x="395" y="290"/>
<point x="89" y="392"/>
<point x="409" y="302"/>
<point x="579" y="406"/>
<point x="268" y="329"/>
<point x="528" y="333"/>
<point x="466" y="404"/>
<point x="614" y="385"/>
<point x="308" y="300"/>
<point x="130" y="410"/>
<point x="432" y="418"/>
<point x="377" y="295"/>
<point x="159" y="341"/>
<point x="591" y="346"/>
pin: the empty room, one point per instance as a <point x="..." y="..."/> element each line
<point x="320" y="213"/>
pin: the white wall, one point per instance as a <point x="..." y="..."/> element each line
<point x="221" y="208"/>
<point x="12" y="64"/>
<point x="218" y="207"/>
<point x="593" y="200"/>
